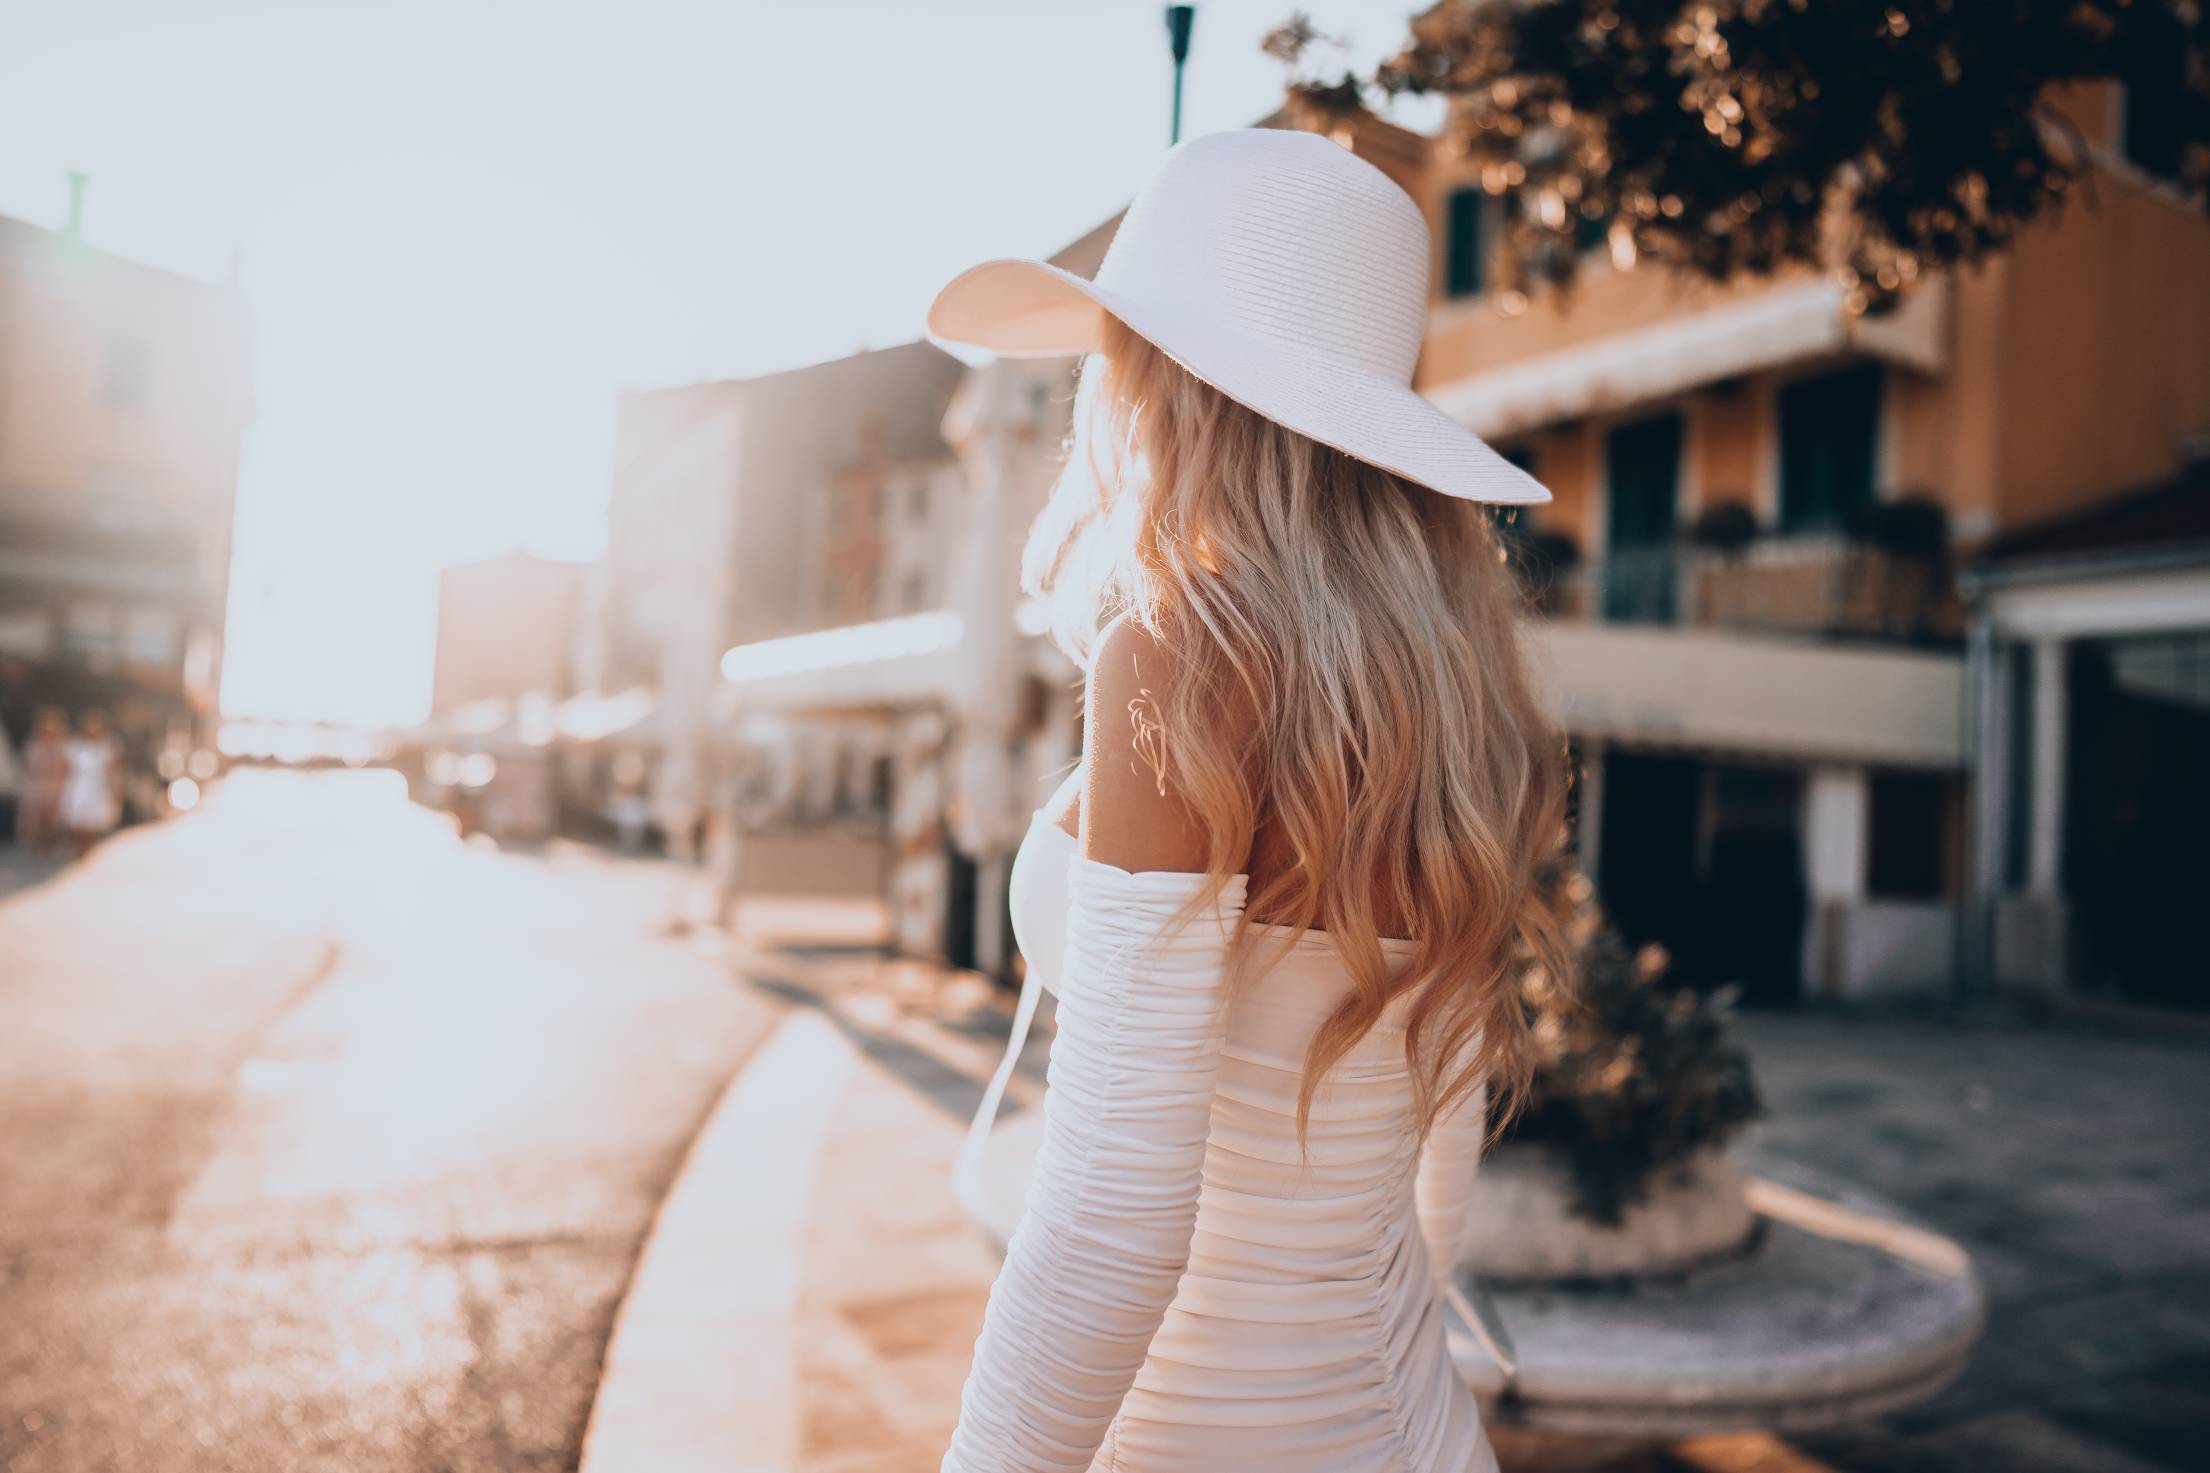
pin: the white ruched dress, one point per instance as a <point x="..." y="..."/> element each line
<point x="1188" y="1291"/>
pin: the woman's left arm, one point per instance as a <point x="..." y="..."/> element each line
<point x="1112" y="1203"/>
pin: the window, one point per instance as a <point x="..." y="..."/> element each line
<point x="1829" y="427"/>
<point x="2154" y="125"/>
<point x="1909" y="857"/>
<point x="1642" y="511"/>
<point x="1463" y="261"/>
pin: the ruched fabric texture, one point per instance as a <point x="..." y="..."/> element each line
<point x="1105" y="1236"/>
<point x="1291" y="1323"/>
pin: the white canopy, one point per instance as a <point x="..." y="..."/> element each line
<point x="886" y="662"/>
<point x="1718" y="691"/>
<point x="1789" y="324"/>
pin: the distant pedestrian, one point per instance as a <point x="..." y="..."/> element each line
<point x="11" y="785"/>
<point x="45" y="770"/>
<point x="91" y="792"/>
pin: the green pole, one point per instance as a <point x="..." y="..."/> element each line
<point x="1179" y="19"/>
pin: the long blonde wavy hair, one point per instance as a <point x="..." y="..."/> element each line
<point x="1396" y="752"/>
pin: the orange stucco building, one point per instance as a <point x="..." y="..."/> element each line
<point x="2068" y="367"/>
<point x="1777" y="713"/>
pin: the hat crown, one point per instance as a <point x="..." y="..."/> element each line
<point x="1289" y="236"/>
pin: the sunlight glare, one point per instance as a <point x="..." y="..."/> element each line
<point x="418" y="295"/>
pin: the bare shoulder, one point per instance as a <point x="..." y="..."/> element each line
<point x="1131" y="817"/>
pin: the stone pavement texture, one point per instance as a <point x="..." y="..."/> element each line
<point x="2064" y="1157"/>
<point x="2068" y="1159"/>
<point x="332" y="1139"/>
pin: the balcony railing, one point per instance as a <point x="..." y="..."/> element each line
<point x="1813" y="587"/>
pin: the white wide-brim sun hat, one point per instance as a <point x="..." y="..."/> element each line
<point x="1281" y="269"/>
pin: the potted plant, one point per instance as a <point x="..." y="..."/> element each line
<point x="1726" y="527"/>
<point x="1723" y="532"/>
<point x="1616" y="1165"/>
<point x="1903" y="554"/>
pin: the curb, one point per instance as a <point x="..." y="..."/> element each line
<point x="698" y="1373"/>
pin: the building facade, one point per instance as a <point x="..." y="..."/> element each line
<point x="2090" y="658"/>
<point x="1751" y="625"/>
<point x="124" y="394"/>
<point x="941" y="714"/>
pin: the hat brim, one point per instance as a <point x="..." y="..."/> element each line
<point x="1030" y="309"/>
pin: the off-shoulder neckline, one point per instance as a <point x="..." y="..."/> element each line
<point x="1314" y="936"/>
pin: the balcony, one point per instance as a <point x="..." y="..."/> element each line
<point x="1813" y="650"/>
<point x="1822" y="588"/>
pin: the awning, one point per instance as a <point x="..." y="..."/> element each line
<point x="888" y="662"/>
<point x="598" y="717"/>
<point x="1789" y="324"/>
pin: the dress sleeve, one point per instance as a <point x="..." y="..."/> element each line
<point x="1112" y="1203"/>
<point x="1448" y="1160"/>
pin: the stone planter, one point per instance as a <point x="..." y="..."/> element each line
<point x="1521" y="1225"/>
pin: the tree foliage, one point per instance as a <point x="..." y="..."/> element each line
<point x="1883" y="140"/>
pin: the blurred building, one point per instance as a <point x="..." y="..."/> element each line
<point x="124" y="393"/>
<point x="943" y="708"/>
<point x="723" y="495"/>
<point x="920" y="686"/>
<point x="506" y="626"/>
<point x="728" y="500"/>
<point x="1750" y="618"/>
<point x="2091" y="652"/>
<point x="888" y="527"/>
<point x="508" y="647"/>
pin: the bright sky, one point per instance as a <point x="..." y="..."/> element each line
<point x="464" y="224"/>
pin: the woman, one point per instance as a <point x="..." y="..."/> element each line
<point x="1281" y="900"/>
<point x="45" y="771"/>
<point x="91" y="793"/>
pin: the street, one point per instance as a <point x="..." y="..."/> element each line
<point x="331" y="1139"/>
